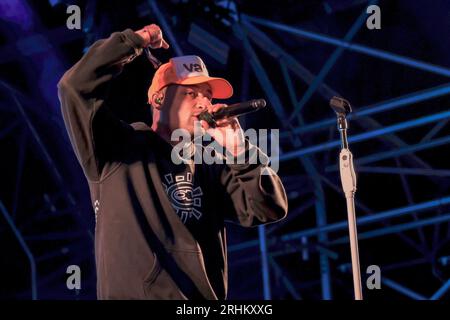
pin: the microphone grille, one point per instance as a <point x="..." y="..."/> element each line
<point x="340" y="105"/>
<point x="259" y="103"/>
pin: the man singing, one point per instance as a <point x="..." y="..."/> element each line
<point x="159" y="224"/>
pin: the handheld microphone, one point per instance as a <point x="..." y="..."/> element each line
<point x="233" y="110"/>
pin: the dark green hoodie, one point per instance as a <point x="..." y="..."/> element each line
<point x="159" y="226"/>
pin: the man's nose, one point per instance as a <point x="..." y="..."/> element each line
<point x="200" y="106"/>
<point x="202" y="103"/>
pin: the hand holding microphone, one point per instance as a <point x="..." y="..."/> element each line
<point x="221" y="123"/>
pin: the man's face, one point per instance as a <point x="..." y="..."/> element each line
<point x="183" y="104"/>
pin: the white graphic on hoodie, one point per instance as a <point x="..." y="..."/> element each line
<point x="185" y="200"/>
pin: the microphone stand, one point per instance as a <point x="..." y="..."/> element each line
<point x="348" y="180"/>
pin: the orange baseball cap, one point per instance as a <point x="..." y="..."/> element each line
<point x="188" y="70"/>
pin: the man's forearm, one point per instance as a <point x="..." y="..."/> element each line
<point x="81" y="101"/>
<point x="104" y="59"/>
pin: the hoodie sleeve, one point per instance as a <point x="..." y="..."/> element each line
<point x="97" y="136"/>
<point x="254" y="192"/>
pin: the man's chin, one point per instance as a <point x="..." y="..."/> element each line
<point x="192" y="128"/>
<point x="196" y="128"/>
<point x="185" y="130"/>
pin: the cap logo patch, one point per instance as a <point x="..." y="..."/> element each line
<point x="193" y="67"/>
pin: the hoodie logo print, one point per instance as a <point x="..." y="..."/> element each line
<point x="185" y="199"/>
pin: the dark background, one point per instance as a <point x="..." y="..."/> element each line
<point x="46" y="220"/>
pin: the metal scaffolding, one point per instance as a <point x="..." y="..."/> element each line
<point x="247" y="31"/>
<point x="305" y="256"/>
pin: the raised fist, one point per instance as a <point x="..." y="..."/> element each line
<point x="152" y="36"/>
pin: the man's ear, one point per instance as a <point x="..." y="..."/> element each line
<point x="157" y="100"/>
